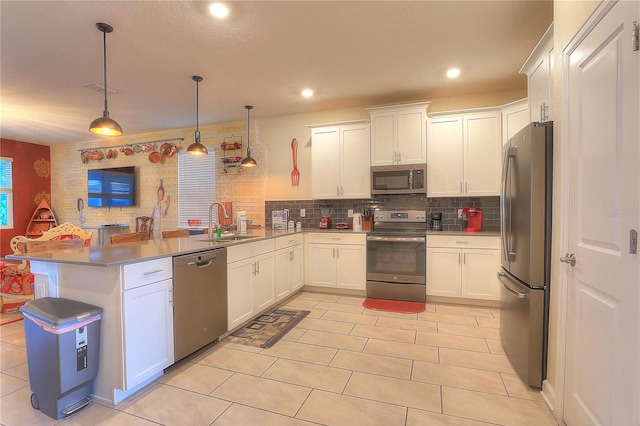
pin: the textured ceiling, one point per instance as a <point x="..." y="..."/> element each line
<point x="352" y="53"/>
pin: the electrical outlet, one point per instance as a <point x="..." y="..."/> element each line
<point x="350" y="213"/>
<point x="303" y="213"/>
<point x="459" y="213"/>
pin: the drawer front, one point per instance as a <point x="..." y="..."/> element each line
<point x="288" y="241"/>
<point x="243" y="251"/>
<point x="337" y="238"/>
<point x="463" y="241"/>
<point x="143" y="273"/>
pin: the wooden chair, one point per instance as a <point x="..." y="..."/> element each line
<point x="130" y="237"/>
<point x="16" y="282"/>
<point x="145" y="224"/>
<point x="66" y="231"/>
<point x="175" y="233"/>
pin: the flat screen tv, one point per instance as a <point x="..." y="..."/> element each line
<point x="114" y="187"/>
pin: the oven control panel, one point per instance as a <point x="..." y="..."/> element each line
<point x="401" y="216"/>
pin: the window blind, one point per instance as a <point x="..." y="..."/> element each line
<point x="196" y="187"/>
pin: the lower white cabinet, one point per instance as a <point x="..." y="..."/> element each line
<point x="463" y="266"/>
<point x="136" y="330"/>
<point x="250" y="280"/>
<point x="337" y="260"/>
<point x="147" y="320"/>
<point x="288" y="261"/>
<point x="148" y="331"/>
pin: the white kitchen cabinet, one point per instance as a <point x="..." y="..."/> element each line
<point x="515" y="116"/>
<point x="147" y="320"/>
<point x="136" y="330"/>
<point x="399" y="134"/>
<point x="337" y="260"/>
<point x="463" y="154"/>
<point x="340" y="160"/>
<point x="539" y="68"/>
<point x="250" y="280"/>
<point x="288" y="263"/>
<point x="463" y="266"/>
<point x="148" y="331"/>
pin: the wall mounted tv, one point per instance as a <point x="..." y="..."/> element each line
<point x="114" y="187"/>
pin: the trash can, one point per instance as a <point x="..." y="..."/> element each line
<point x="63" y="342"/>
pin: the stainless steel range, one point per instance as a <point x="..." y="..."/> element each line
<point x="396" y="256"/>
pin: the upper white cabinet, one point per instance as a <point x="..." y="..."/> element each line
<point x="515" y="116"/>
<point x="539" y="69"/>
<point x="340" y="160"/>
<point x="463" y="153"/>
<point x="398" y="134"/>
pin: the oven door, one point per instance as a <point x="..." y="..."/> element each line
<point x="396" y="267"/>
<point x="396" y="259"/>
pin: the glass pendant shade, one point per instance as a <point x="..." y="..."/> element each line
<point x="248" y="161"/>
<point x="105" y="125"/>
<point x="197" y="148"/>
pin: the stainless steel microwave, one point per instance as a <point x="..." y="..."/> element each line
<point x="400" y="179"/>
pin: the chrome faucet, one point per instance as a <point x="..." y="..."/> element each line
<point x="224" y="212"/>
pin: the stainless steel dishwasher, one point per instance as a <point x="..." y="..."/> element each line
<point x="199" y="300"/>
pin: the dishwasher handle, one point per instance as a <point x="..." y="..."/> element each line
<point x="201" y="262"/>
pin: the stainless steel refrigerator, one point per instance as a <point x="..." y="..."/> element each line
<point x="525" y="222"/>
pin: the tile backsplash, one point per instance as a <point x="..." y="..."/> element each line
<point x="447" y="206"/>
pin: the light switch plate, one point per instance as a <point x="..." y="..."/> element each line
<point x="302" y="213"/>
<point x="350" y="213"/>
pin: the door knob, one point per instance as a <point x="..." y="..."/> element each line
<point x="569" y="258"/>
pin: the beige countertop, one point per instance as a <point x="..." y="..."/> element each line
<point x="111" y="255"/>
<point x="466" y="234"/>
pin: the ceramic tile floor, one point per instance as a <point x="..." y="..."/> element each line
<point x="342" y="365"/>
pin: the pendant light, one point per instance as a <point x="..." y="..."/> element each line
<point x="105" y="125"/>
<point x="197" y="148"/>
<point x="248" y="162"/>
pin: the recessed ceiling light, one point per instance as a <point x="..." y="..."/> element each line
<point x="453" y="73"/>
<point x="307" y="93"/>
<point x="219" y="10"/>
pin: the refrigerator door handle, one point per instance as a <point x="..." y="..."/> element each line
<point x="515" y="292"/>
<point x="505" y="219"/>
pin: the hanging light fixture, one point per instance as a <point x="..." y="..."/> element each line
<point x="248" y="162"/>
<point x="105" y="125"/>
<point x="197" y="148"/>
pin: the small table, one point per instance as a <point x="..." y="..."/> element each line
<point x="106" y="230"/>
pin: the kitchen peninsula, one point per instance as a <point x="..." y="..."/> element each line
<point x="133" y="284"/>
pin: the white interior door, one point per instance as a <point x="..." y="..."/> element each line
<point x="601" y="376"/>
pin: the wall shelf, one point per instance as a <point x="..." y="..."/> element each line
<point x="231" y="145"/>
<point x="42" y="220"/>
<point x="98" y="153"/>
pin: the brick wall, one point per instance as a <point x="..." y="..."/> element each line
<point x="69" y="177"/>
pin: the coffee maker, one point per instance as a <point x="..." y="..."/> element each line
<point x="474" y="219"/>
<point x="436" y="221"/>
